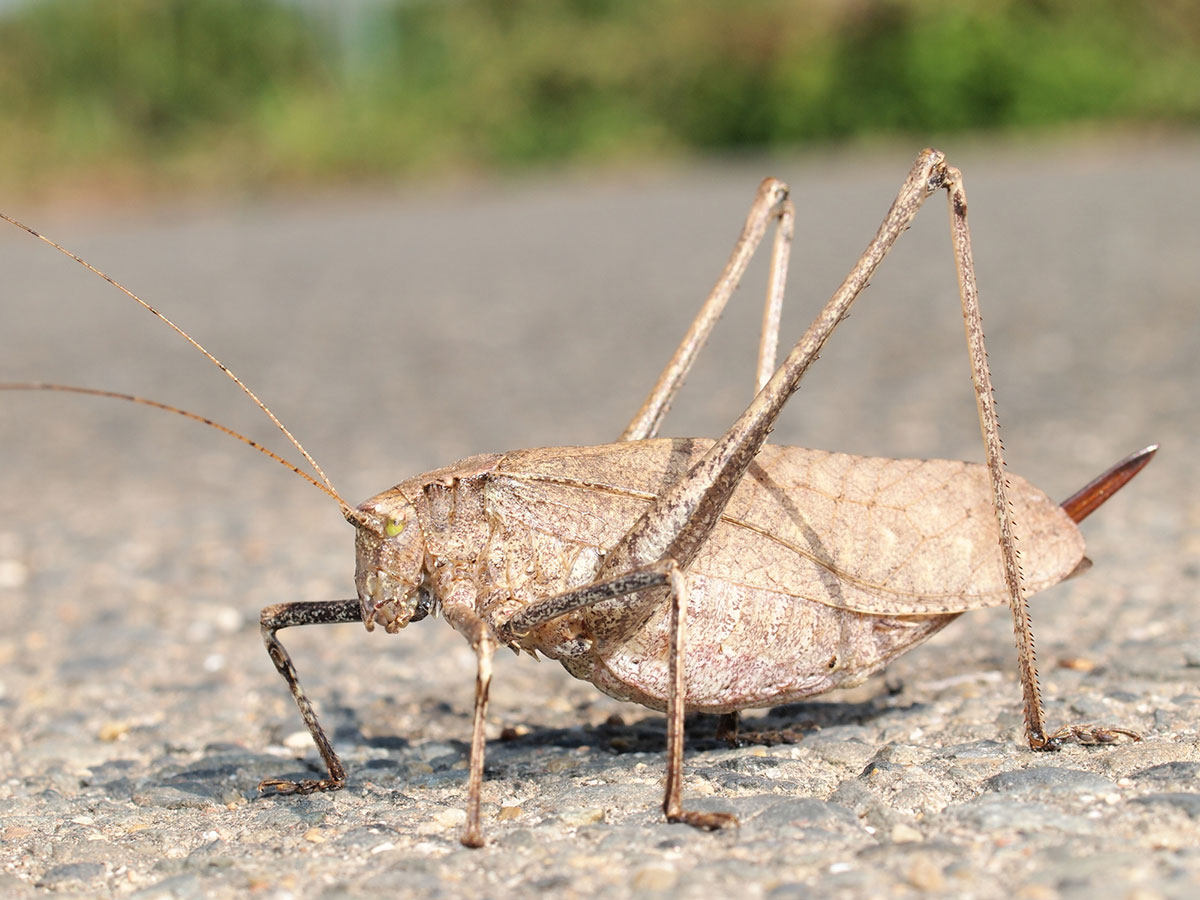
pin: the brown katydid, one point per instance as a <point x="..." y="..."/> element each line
<point x="692" y="575"/>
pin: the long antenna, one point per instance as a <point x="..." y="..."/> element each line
<point x="195" y="417"/>
<point x="324" y="484"/>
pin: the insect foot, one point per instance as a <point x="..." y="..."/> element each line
<point x="729" y="730"/>
<point x="706" y="821"/>
<point x="1087" y="736"/>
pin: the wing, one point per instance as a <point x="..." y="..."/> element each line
<point x="872" y="535"/>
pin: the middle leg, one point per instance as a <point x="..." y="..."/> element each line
<point x="771" y="202"/>
<point x="678" y="522"/>
<point x="663" y="572"/>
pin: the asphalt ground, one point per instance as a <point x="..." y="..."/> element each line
<point x="396" y="330"/>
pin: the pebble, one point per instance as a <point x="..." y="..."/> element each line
<point x="1000" y="815"/>
<point x="173" y="798"/>
<point x="1187" y="803"/>
<point x="450" y="818"/>
<point x="1040" y="779"/>
<point x="804" y="812"/>
<point x="926" y="875"/>
<point x="579" y="816"/>
<point x="904" y="834"/>
<point x="654" y="878"/>
<point x="1176" y="773"/>
<point x="72" y="875"/>
<point x="13" y="574"/>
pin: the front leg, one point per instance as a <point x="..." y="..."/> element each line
<point x="484" y="644"/>
<point x="285" y="615"/>
<point x="459" y="608"/>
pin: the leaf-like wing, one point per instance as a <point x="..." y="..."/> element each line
<point x="872" y="535"/>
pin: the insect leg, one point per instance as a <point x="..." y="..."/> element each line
<point x="673" y="794"/>
<point x="771" y="202"/>
<point x="768" y="348"/>
<point x="768" y="342"/>
<point x="656" y="574"/>
<point x="679" y="521"/>
<point x="661" y="572"/>
<point x="989" y="425"/>
<point x="728" y="725"/>
<point x="1035" y="724"/>
<point x="483" y="642"/>
<point x="285" y="615"/>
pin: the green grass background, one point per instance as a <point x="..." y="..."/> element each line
<point x="245" y="93"/>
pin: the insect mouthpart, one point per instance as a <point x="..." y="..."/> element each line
<point x="389" y="601"/>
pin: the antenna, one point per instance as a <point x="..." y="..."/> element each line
<point x="324" y="484"/>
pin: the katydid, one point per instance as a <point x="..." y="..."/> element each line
<point x="691" y="575"/>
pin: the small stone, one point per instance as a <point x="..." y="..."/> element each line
<point x="315" y="835"/>
<point x="853" y="754"/>
<point x="172" y="798"/>
<point x="1037" y="892"/>
<point x="989" y="813"/>
<point x="450" y="817"/>
<point x="905" y="834"/>
<point x="804" y="812"/>
<point x="1178" y="772"/>
<point x="1077" y="663"/>
<point x="578" y="817"/>
<point x="1191" y="654"/>
<point x="298" y="740"/>
<point x="654" y="878"/>
<point x="13" y="573"/>
<point x="71" y="874"/>
<point x="985" y="749"/>
<point x="1050" y="778"/>
<point x="902" y="754"/>
<point x="113" y="731"/>
<point x="228" y="619"/>
<point x="1188" y="803"/>
<point x="926" y="875"/>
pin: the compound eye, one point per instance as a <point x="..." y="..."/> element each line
<point x="393" y="527"/>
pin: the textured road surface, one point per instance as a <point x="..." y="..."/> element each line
<point x="398" y="331"/>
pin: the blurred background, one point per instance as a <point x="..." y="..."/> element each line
<point x="258" y="94"/>
<point x="431" y="228"/>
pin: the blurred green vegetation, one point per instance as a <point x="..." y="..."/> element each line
<point x="245" y="92"/>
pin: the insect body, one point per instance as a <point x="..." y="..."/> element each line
<point x="713" y="576"/>
<point x="774" y="573"/>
